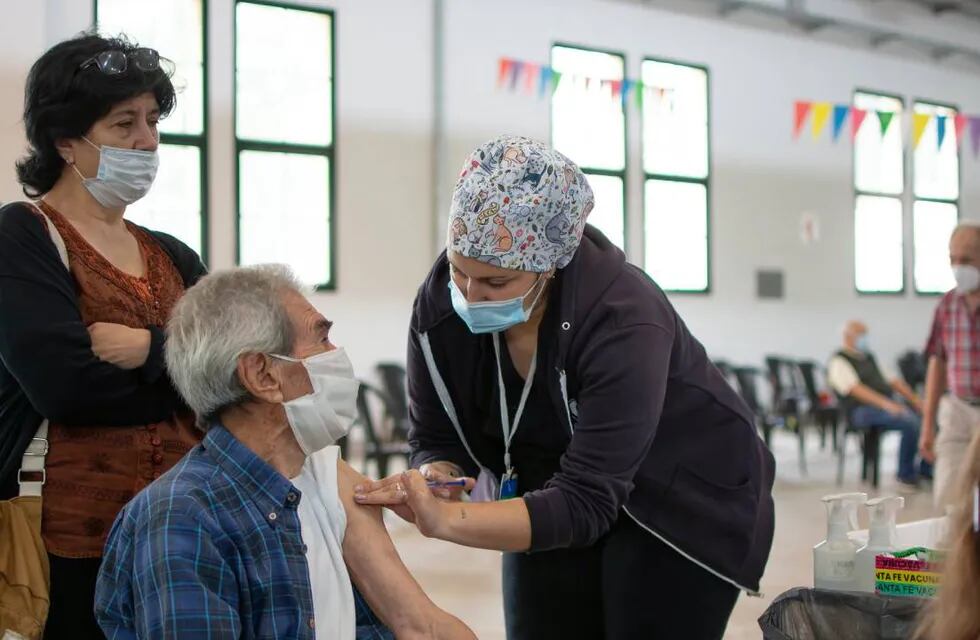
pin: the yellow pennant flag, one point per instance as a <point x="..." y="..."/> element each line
<point x="821" y="113"/>
<point x="919" y="123"/>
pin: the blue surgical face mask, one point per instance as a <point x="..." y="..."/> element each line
<point x="124" y="175"/>
<point x="493" y="316"/>
<point x="862" y="343"/>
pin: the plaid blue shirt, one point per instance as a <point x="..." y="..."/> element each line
<point x="212" y="549"/>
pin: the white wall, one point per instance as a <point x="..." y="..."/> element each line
<point x="762" y="180"/>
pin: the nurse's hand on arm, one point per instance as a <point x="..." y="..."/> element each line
<point x="504" y="525"/>
<point x="382" y="577"/>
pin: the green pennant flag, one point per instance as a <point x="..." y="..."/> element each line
<point x="555" y="80"/>
<point x="640" y="88"/>
<point x="885" y="117"/>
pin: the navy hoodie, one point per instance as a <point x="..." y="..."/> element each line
<point x="654" y="431"/>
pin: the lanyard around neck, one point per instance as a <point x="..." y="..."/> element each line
<point x="505" y="423"/>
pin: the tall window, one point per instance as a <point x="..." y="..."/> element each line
<point x="177" y="203"/>
<point x="879" y="183"/>
<point x="284" y="126"/>
<point x="936" y="191"/>
<point x="677" y="169"/>
<point x="588" y="125"/>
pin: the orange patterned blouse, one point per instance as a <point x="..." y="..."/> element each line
<point x="93" y="471"/>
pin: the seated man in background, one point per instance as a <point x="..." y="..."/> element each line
<point x="870" y="395"/>
<point x="248" y="535"/>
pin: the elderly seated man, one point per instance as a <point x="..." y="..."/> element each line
<point x="872" y="397"/>
<point x="252" y="534"/>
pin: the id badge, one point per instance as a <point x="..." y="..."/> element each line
<point x="508" y="485"/>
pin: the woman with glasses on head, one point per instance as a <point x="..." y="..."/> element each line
<point x="84" y="295"/>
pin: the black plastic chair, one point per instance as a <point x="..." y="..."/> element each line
<point x="912" y="365"/>
<point x="825" y="417"/>
<point x="377" y="446"/>
<point x="789" y="400"/>
<point x="393" y="378"/>
<point x="870" y="439"/>
<point x="746" y="379"/>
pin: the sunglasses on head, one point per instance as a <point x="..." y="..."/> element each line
<point x="113" y="61"/>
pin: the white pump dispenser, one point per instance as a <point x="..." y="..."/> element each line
<point x="833" y="559"/>
<point x="881" y="539"/>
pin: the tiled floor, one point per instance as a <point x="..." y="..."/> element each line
<point x="467" y="582"/>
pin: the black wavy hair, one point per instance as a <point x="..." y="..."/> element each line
<point x="63" y="101"/>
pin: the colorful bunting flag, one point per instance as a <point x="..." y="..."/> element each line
<point x="617" y="87"/>
<point x="940" y="131"/>
<point x="975" y="134"/>
<point x="800" y="112"/>
<point x="640" y="89"/>
<point x="885" y="118"/>
<point x="530" y="76"/>
<point x="503" y="71"/>
<point x="544" y="79"/>
<point x="919" y="123"/>
<point x="821" y="112"/>
<point x="840" y="117"/>
<point x="857" y="119"/>
<point x="625" y="95"/>
<point x="555" y="80"/>
<point x="961" y="121"/>
<point x="516" y="67"/>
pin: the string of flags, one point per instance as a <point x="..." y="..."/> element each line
<point x="541" y="79"/>
<point x="839" y="116"/>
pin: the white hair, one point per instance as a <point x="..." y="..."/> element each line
<point x="226" y="314"/>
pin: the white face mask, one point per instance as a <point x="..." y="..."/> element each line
<point x="967" y="278"/>
<point x="124" y="176"/>
<point x="321" y="418"/>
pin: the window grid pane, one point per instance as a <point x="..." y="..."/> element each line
<point x="284" y="130"/>
<point x="677" y="166"/>
<point x="878" y="251"/>
<point x="879" y="161"/>
<point x="932" y="225"/>
<point x="284" y="215"/>
<point x="675" y="128"/>
<point x="676" y="221"/>
<point x="270" y="68"/>
<point x="588" y="124"/>
<point x="936" y="170"/>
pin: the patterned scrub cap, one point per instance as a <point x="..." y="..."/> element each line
<point x="519" y="204"/>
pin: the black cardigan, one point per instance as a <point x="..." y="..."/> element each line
<point x="658" y="433"/>
<point x="47" y="367"/>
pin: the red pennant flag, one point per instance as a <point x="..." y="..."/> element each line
<point x="530" y="76"/>
<point x="503" y="71"/>
<point x="857" y="119"/>
<point x="961" y="121"/>
<point x="801" y="111"/>
<point x="617" y="87"/>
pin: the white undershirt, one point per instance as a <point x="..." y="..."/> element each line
<point x="323" y="522"/>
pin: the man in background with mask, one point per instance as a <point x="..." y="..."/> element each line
<point x="870" y="395"/>
<point x="954" y="365"/>
<point x="253" y="532"/>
